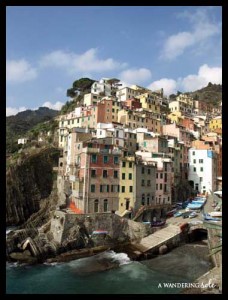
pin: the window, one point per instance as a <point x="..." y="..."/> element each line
<point x="156" y="186"/>
<point x="116" y="160"/>
<point x="130" y="189"/>
<point x="156" y="175"/>
<point x="168" y="198"/>
<point x="143" y="182"/>
<point x="105" y="159"/>
<point x="165" y="177"/>
<point x="123" y="164"/>
<point x="148" y="182"/>
<point x="194" y="161"/>
<point x="94" y="158"/>
<point x="160" y="186"/>
<point x="130" y="176"/>
<point x="201" y="169"/>
<point x="143" y="199"/>
<point x="161" y="175"/>
<point x="96" y="205"/>
<point x="130" y="164"/>
<point x="104" y="188"/>
<point x="201" y="179"/>
<point x="201" y="161"/>
<point x="123" y="175"/>
<point x="148" y="199"/>
<point x="148" y="171"/>
<point x="115" y="174"/>
<point x="165" y="187"/>
<point x="193" y="152"/>
<point x="105" y="205"/>
<point x="142" y="170"/>
<point x="194" y="169"/>
<point x="92" y="188"/>
<point x="123" y="189"/>
<point x="105" y="173"/>
<point x="93" y="173"/>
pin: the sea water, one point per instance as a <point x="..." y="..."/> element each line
<point x="88" y="275"/>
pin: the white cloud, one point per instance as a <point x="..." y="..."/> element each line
<point x="11" y="111"/>
<point x="135" y="75"/>
<point x="203" y="28"/>
<point x="191" y="82"/>
<point x="169" y="86"/>
<point x="204" y="76"/>
<point x="86" y="62"/>
<point x="19" y="71"/>
<point x="57" y="105"/>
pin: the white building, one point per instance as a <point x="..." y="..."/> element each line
<point x="101" y="87"/>
<point x="126" y="93"/>
<point x="22" y="141"/>
<point x="90" y="99"/>
<point x="202" y="170"/>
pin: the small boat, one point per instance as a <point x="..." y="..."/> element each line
<point x="171" y="213"/>
<point x="158" y="223"/>
<point x="209" y="218"/>
<point x="215" y="214"/>
<point x="193" y="215"/>
<point x="177" y="214"/>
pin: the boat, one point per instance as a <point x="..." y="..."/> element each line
<point x="193" y="215"/>
<point x="177" y="214"/>
<point x="158" y="223"/>
<point x="186" y="214"/>
<point x="171" y="213"/>
<point x="209" y="218"/>
<point x="215" y="214"/>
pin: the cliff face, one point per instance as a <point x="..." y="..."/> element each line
<point x="27" y="183"/>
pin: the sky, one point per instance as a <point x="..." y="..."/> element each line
<point x="177" y="48"/>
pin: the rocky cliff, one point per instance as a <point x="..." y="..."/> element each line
<point x="27" y="183"/>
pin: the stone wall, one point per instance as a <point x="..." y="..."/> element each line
<point x="118" y="228"/>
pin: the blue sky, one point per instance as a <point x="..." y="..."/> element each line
<point x="174" y="47"/>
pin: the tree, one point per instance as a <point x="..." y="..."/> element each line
<point x="80" y="85"/>
<point x="172" y="96"/>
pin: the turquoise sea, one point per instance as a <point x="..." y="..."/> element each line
<point x="84" y="276"/>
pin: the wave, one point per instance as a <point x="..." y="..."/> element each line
<point x="120" y="258"/>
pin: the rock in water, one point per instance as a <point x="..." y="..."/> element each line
<point x="163" y="249"/>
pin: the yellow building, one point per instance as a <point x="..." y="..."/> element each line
<point x="126" y="194"/>
<point x="149" y="102"/>
<point x="115" y="110"/>
<point x="175" y="116"/>
<point x="185" y="99"/>
<point x="216" y="123"/>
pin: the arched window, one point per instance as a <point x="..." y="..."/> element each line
<point x="96" y="205"/>
<point x="105" y="205"/>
